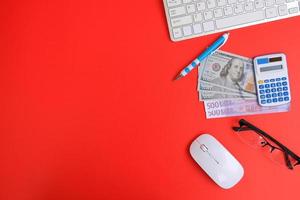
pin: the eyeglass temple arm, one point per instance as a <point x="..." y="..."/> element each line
<point x="244" y="125"/>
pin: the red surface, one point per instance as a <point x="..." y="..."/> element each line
<point x="89" y="109"/>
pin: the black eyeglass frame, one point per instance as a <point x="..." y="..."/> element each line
<point x="287" y="152"/>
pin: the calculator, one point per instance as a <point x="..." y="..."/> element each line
<point x="272" y="81"/>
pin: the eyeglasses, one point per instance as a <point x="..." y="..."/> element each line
<point x="266" y="143"/>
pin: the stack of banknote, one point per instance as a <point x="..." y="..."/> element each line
<point x="226" y="84"/>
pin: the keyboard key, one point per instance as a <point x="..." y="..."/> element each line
<point x="280" y="94"/>
<point x="258" y="4"/>
<point x="283" y="78"/>
<point x="228" y="10"/>
<point x="280" y="99"/>
<point x="280" y="2"/>
<point x="273" y="90"/>
<point x="269" y="100"/>
<point x="262" y="96"/>
<point x="240" y="19"/>
<point x="285" y="94"/>
<point x="177" y="32"/>
<point x="279" y="89"/>
<point x="208" y="15"/>
<point x="267" y="86"/>
<point x="277" y="79"/>
<point x="274" y="95"/>
<point x="201" y="6"/>
<point x="268" y="95"/>
<point x="211" y="3"/>
<point x="181" y="21"/>
<point x="273" y="84"/>
<point x="172" y="3"/>
<point x="274" y="100"/>
<point x="284" y="83"/>
<point x="218" y="13"/>
<point x="221" y="2"/>
<point x="268" y="90"/>
<point x="261" y="86"/>
<point x="261" y="92"/>
<point x="249" y="6"/>
<point x="267" y="81"/>
<point x="197" y="28"/>
<point x="191" y="8"/>
<point x="232" y="1"/>
<point x="208" y="26"/>
<point x="278" y="84"/>
<point x="187" y="1"/>
<point x="286" y="98"/>
<point x="177" y="11"/>
<point x="238" y="8"/>
<point x="282" y="10"/>
<point x="270" y="3"/>
<point x="285" y="88"/>
<point x="263" y="101"/>
<point x="187" y="30"/>
<point x="272" y="80"/>
<point x="271" y="12"/>
<point x="198" y="17"/>
<point x="293" y="10"/>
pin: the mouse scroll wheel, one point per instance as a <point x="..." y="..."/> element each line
<point x="203" y="147"/>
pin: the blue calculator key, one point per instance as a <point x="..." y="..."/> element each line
<point x="278" y="84"/>
<point x="273" y="90"/>
<point x="261" y="91"/>
<point x="273" y="84"/>
<point x="267" y="85"/>
<point x="266" y="81"/>
<point x="279" y="89"/>
<point x="278" y="79"/>
<point x="268" y="90"/>
<point x="284" y="83"/>
<point x="268" y="95"/>
<point x="279" y="94"/>
<point x="285" y="88"/>
<point x="274" y="100"/>
<point x="263" y="101"/>
<point x="280" y="99"/>
<point x="272" y="80"/>
<point x="261" y="86"/>
<point x="274" y="95"/>
<point x="286" y="98"/>
<point x="269" y="100"/>
<point x="283" y="78"/>
<point x="262" y="96"/>
<point x="285" y="94"/>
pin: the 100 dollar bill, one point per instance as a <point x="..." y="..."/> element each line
<point x="226" y="71"/>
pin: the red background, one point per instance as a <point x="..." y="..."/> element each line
<point x="89" y="109"/>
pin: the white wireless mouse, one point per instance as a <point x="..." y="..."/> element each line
<point x="216" y="161"/>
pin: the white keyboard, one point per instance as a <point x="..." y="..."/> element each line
<point x="194" y="18"/>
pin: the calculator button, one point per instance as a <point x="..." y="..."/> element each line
<point x="284" y="83"/>
<point x="274" y="95"/>
<point x="273" y="84"/>
<point x="263" y="101"/>
<point x="278" y="84"/>
<point x="262" y="96"/>
<point x="261" y="91"/>
<point x="285" y="88"/>
<point x="279" y="89"/>
<point x="278" y="79"/>
<point x="273" y="90"/>
<point x="272" y="80"/>
<point x="283" y="78"/>
<point x="260" y="82"/>
<point x="266" y="81"/>
<point x="269" y="100"/>
<point x="280" y="99"/>
<point x="274" y="100"/>
<point x="268" y="90"/>
<point x="267" y="85"/>
<point x="279" y="94"/>
<point x="285" y="94"/>
<point x="268" y="95"/>
<point x="286" y="98"/>
<point x="261" y="86"/>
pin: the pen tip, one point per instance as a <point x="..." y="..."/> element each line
<point x="179" y="76"/>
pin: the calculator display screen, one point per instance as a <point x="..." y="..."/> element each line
<point x="270" y="68"/>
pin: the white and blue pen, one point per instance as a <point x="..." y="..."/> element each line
<point x="210" y="50"/>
